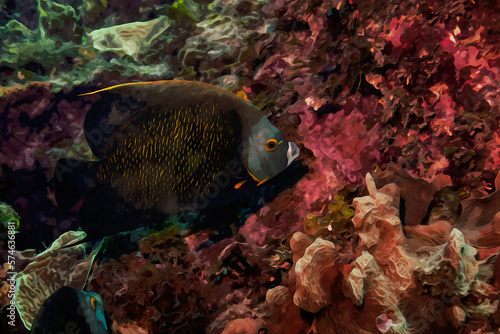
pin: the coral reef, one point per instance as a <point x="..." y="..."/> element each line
<point x="405" y="91"/>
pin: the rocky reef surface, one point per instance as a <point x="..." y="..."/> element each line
<point x="394" y="105"/>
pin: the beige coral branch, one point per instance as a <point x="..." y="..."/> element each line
<point x="129" y="38"/>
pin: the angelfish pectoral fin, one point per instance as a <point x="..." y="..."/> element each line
<point x="258" y="184"/>
<point x="239" y="184"/>
<point x="253" y="176"/>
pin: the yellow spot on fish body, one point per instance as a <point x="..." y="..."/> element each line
<point x="199" y="137"/>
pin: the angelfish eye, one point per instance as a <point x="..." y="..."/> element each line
<point x="271" y="145"/>
<point x="93" y="303"/>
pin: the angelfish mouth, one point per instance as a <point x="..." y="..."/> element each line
<point x="292" y="153"/>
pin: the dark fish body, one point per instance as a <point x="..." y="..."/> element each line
<point x="167" y="147"/>
<point x="169" y="152"/>
<point x="71" y="311"/>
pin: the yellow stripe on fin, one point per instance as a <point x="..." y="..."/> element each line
<point x="127" y="84"/>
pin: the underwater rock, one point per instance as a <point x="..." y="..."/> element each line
<point x="42" y="126"/>
<point x="60" y="265"/>
<point x="489" y="235"/>
<point x="239" y="317"/>
<point x="480" y="218"/>
<point x="435" y="234"/>
<point x="20" y="107"/>
<point x="219" y="34"/>
<point x="172" y="282"/>
<point x="416" y="192"/>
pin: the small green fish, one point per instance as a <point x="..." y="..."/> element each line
<point x="166" y="147"/>
<point x="71" y="311"/>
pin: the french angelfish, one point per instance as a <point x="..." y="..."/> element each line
<point x="71" y="311"/>
<point x="167" y="147"/>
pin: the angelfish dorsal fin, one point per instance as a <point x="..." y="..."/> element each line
<point x="132" y="84"/>
<point x="109" y="114"/>
<point x="120" y="104"/>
